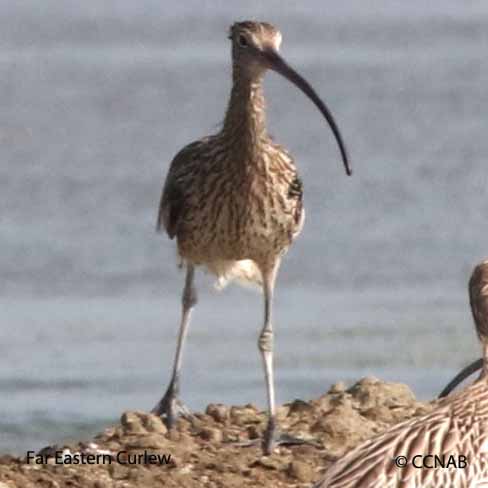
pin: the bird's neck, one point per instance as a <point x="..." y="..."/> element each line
<point x="245" y="120"/>
<point x="484" y="369"/>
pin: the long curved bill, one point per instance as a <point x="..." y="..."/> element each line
<point x="461" y="376"/>
<point x="278" y="64"/>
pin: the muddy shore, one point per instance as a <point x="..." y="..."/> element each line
<point x="208" y="449"/>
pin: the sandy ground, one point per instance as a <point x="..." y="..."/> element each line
<point x="206" y="450"/>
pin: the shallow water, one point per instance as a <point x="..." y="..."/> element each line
<point x="96" y="99"/>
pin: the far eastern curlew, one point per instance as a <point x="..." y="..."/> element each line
<point x="458" y="426"/>
<point x="233" y="200"/>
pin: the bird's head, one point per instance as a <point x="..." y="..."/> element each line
<point x="255" y="48"/>
<point x="250" y="42"/>
<point x="478" y="298"/>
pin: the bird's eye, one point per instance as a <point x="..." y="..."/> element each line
<point x="242" y="41"/>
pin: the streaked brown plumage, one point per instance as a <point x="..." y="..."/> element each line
<point x="233" y="200"/>
<point x="457" y="426"/>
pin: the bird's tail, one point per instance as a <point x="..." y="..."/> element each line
<point x="245" y="272"/>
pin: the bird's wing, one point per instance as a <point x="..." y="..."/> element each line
<point x="173" y="196"/>
<point x="372" y="463"/>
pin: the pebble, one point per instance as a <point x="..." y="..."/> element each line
<point x="267" y="462"/>
<point x="117" y="471"/>
<point x="254" y="431"/>
<point x="339" y="387"/>
<point x="219" y="412"/>
<point x="132" y="423"/>
<point x="301" y="471"/>
<point x="244" y="415"/>
<point x="153" y="423"/>
<point x="299" y="406"/>
<point x="211" y="434"/>
<point x="152" y="441"/>
<point x="370" y="392"/>
<point x="102" y="484"/>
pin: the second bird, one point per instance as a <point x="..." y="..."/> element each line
<point x="233" y="200"/>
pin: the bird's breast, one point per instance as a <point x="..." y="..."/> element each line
<point x="246" y="212"/>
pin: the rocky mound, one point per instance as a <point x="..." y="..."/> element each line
<point x="212" y="449"/>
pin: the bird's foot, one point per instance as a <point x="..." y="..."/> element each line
<point x="273" y="438"/>
<point x="171" y="407"/>
<point x="281" y="439"/>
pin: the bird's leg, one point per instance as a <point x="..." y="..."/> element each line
<point x="170" y="405"/>
<point x="272" y="436"/>
<point x="265" y="344"/>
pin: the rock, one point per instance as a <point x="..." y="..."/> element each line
<point x="339" y="387"/>
<point x="344" y="426"/>
<point x="282" y="412"/>
<point x="244" y="415"/>
<point x="48" y="451"/>
<point x="203" y="451"/>
<point x="113" y="446"/>
<point x="302" y="426"/>
<point x="183" y="424"/>
<point x="174" y="435"/>
<point x="188" y="468"/>
<point x="301" y="471"/>
<point x="219" y="412"/>
<point x="147" y="441"/>
<point x="268" y="462"/>
<point x="186" y="441"/>
<point x="324" y="404"/>
<point x="231" y="435"/>
<point x="132" y="422"/>
<point x="9" y="459"/>
<point x="254" y="431"/>
<point x="211" y="434"/>
<point x="102" y="484"/>
<point x="299" y="406"/>
<point x="367" y="381"/>
<point x="380" y="413"/>
<point x="117" y="471"/>
<point x="153" y="423"/>
<point x="342" y="400"/>
<point x="370" y="392"/>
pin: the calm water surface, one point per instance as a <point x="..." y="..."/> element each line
<point x="95" y="101"/>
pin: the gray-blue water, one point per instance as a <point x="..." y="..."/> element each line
<point x="97" y="97"/>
